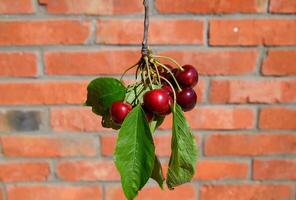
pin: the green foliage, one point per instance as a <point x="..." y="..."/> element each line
<point x="157" y="173"/>
<point x="135" y="152"/>
<point x="102" y="92"/>
<point x="184" y="152"/>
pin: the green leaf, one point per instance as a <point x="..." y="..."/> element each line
<point x="184" y="152"/>
<point x="157" y="173"/>
<point x="134" y="152"/>
<point x="102" y="92"/>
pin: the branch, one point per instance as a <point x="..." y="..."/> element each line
<point x="146" y="27"/>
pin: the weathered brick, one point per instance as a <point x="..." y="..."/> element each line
<point x="220" y="170"/>
<point x="104" y="62"/>
<point x="84" y="170"/>
<point x="216" y="118"/>
<point x="185" y="192"/>
<point x="246" y="192"/>
<point x="250" y="32"/>
<point x="282" y="6"/>
<point x="56" y="192"/>
<point x="4" y="125"/>
<point x="43" y="32"/>
<point x="217" y="62"/>
<point x="16" y="7"/>
<point x="277" y="118"/>
<point x="92" y="7"/>
<point x="249" y="144"/>
<point x="43" y="92"/>
<point x="41" y="146"/>
<point x="252" y="91"/>
<point x="130" y="31"/>
<point x="274" y="169"/>
<point x="18" y="120"/>
<point x="23" y="171"/>
<point x="18" y="64"/>
<point x="211" y="7"/>
<point x="280" y="63"/>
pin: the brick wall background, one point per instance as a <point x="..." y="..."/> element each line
<point x="52" y="148"/>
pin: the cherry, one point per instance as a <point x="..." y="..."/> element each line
<point x="157" y="101"/>
<point x="119" y="111"/>
<point x="149" y="115"/>
<point x="168" y="89"/>
<point x="187" y="99"/>
<point x="165" y="74"/>
<point x="188" y="77"/>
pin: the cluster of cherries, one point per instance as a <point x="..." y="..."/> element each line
<point x="158" y="101"/>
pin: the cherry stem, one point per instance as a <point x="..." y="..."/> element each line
<point x="157" y="72"/>
<point x="135" y="65"/>
<point x="170" y="59"/>
<point x="174" y="92"/>
<point x="148" y="70"/>
<point x="162" y="65"/>
<point x="146" y="27"/>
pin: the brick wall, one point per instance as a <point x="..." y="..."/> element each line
<point x="52" y="148"/>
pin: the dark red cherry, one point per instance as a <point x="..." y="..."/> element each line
<point x="165" y="74"/>
<point x="187" y="99"/>
<point x="188" y="77"/>
<point x="168" y="89"/>
<point x="157" y="101"/>
<point x="119" y="111"/>
<point x="149" y="115"/>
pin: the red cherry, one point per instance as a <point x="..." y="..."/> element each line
<point x="165" y="74"/>
<point x="187" y="99"/>
<point x="188" y="77"/>
<point x="119" y="111"/>
<point x="168" y="89"/>
<point x="157" y="101"/>
<point x="149" y="115"/>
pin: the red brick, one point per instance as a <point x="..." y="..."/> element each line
<point x="56" y="192"/>
<point x="83" y="170"/>
<point x="47" y="146"/>
<point x="184" y="192"/>
<point x="251" y="32"/>
<point x="16" y="7"/>
<point x="252" y="91"/>
<point x="75" y="119"/>
<point x="249" y="144"/>
<point x="282" y="6"/>
<point x="216" y="118"/>
<point x="23" y="171"/>
<point x="277" y="118"/>
<point x="92" y="7"/>
<point x="162" y="143"/>
<point x="218" y="62"/>
<point x="220" y="170"/>
<point x="43" y="92"/>
<point x="274" y="169"/>
<point x="211" y="7"/>
<point x="44" y="32"/>
<point x="89" y="63"/>
<point x="4" y="124"/>
<point x="246" y="192"/>
<point x="17" y="64"/>
<point x="280" y="63"/>
<point x="130" y="31"/>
